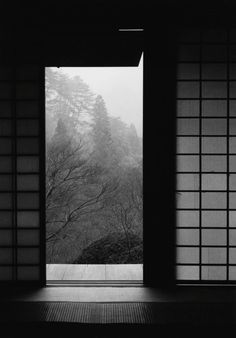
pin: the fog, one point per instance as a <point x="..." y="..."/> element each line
<point x="121" y="88"/>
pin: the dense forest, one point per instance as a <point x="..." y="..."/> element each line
<point x="94" y="197"/>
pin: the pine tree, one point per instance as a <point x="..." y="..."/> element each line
<point x="69" y="99"/>
<point x="101" y="132"/>
<point x="61" y="134"/>
<point x="134" y="141"/>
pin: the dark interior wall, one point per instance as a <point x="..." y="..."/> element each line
<point x="159" y="157"/>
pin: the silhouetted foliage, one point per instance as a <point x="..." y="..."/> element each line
<point x="112" y="249"/>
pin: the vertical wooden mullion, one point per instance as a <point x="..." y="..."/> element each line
<point x="42" y="175"/>
<point x="200" y="161"/>
<point x="227" y="165"/>
<point x="14" y="176"/>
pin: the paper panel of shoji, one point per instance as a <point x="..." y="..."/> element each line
<point x="20" y="190"/>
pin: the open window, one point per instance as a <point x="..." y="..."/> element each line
<point x="94" y="175"/>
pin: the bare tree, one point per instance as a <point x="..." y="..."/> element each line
<point x="74" y="188"/>
<point x="126" y="206"/>
<point x="123" y="213"/>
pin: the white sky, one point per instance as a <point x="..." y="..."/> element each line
<point x="120" y="87"/>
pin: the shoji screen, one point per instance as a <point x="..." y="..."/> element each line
<point x="21" y="123"/>
<point x="206" y="157"/>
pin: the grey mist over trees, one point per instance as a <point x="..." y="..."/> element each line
<point x="94" y="197"/>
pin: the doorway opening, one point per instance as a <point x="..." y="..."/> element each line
<point x="94" y="175"/>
